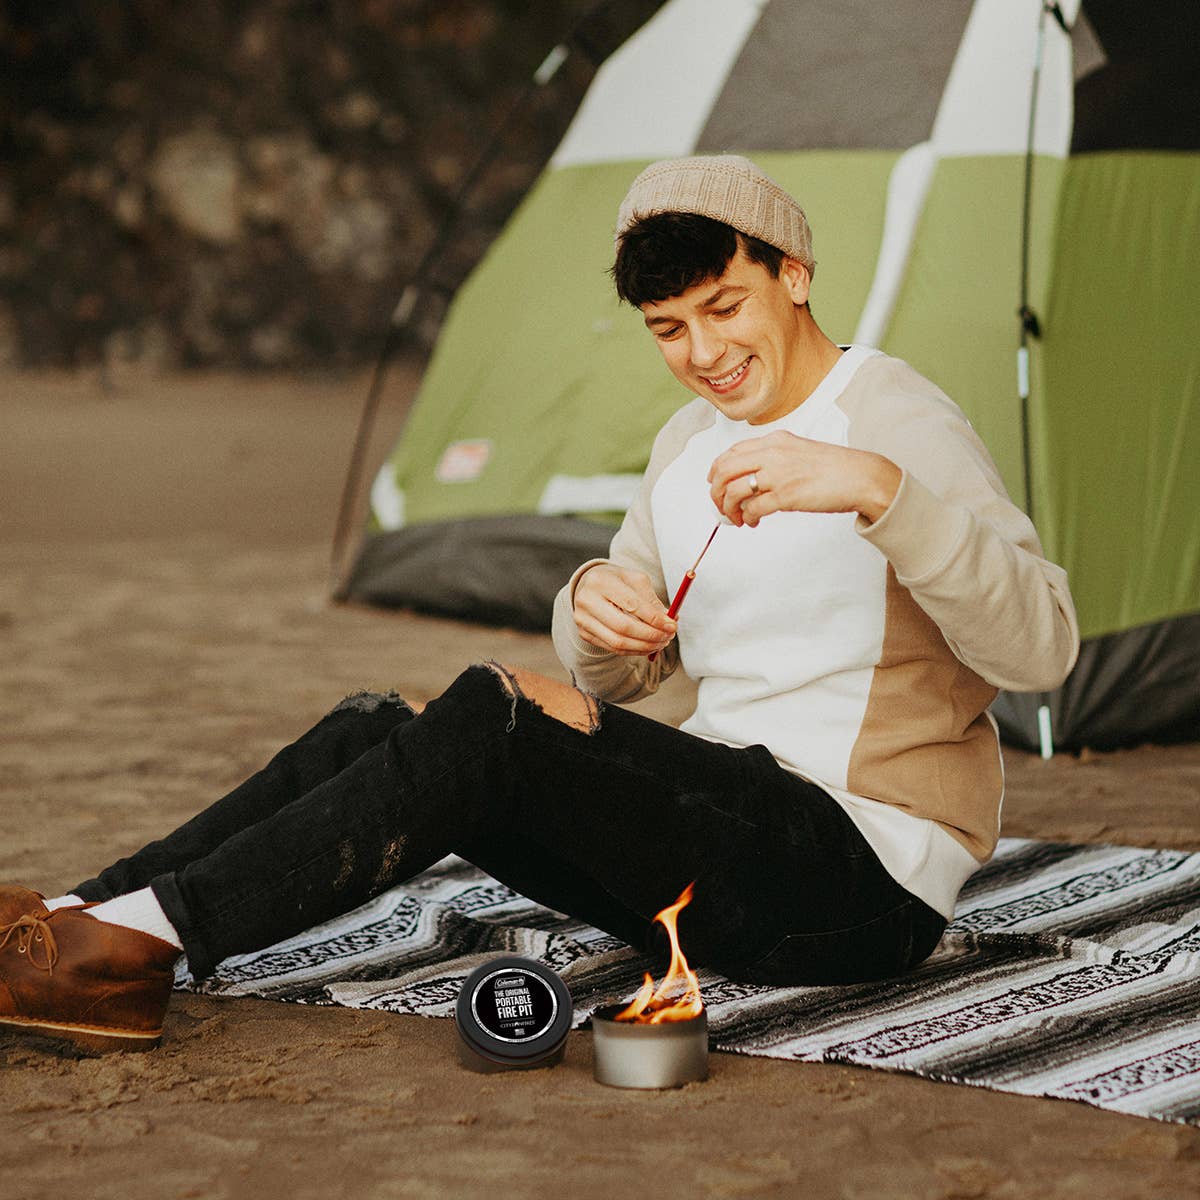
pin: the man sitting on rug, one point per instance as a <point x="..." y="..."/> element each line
<point x="840" y="777"/>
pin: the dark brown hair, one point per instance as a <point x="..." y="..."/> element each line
<point x="664" y="255"/>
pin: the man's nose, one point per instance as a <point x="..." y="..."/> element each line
<point x="706" y="347"/>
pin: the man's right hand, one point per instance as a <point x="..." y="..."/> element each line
<point x="617" y="609"/>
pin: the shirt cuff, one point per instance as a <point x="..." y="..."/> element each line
<point x="566" y="598"/>
<point x="918" y="533"/>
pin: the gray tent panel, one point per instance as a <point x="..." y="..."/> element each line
<point x="1128" y="686"/>
<point x="500" y="570"/>
<point x="1145" y="93"/>
<point x="846" y="76"/>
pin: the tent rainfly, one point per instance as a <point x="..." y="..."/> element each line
<point x="1004" y="193"/>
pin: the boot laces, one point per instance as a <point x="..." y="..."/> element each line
<point x="35" y="938"/>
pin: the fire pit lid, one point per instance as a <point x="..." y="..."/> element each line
<point x="514" y="1012"/>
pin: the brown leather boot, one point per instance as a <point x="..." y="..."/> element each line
<point x="70" y="977"/>
<point x="17" y="901"/>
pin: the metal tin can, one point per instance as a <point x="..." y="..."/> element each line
<point x="634" y="1055"/>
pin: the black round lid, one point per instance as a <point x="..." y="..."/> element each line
<point x="513" y="1010"/>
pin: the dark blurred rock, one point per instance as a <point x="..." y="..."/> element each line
<point x="10" y="338"/>
<point x="248" y="183"/>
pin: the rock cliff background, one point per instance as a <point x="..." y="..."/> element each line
<point x="250" y="183"/>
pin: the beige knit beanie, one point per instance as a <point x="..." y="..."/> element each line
<point x="726" y="187"/>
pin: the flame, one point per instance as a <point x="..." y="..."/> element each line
<point x="652" y="1006"/>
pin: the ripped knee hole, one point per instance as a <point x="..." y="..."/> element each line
<point x="559" y="701"/>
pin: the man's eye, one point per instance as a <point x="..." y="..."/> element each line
<point x="665" y="335"/>
<point x="728" y="312"/>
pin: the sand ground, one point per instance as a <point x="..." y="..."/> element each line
<point x="163" y="549"/>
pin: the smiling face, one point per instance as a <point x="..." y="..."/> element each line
<point x="740" y="340"/>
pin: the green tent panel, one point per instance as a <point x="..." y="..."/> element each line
<point x="955" y="317"/>
<point x="1119" y="383"/>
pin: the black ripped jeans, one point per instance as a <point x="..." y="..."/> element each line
<point x="608" y="825"/>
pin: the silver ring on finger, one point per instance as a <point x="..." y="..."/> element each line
<point x="752" y="479"/>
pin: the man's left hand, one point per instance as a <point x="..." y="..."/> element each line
<point x="785" y="473"/>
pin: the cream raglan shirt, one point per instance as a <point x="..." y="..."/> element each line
<point x="863" y="656"/>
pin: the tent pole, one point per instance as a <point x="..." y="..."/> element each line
<point x="402" y="314"/>
<point x="1030" y="325"/>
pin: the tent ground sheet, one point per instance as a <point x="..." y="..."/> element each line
<point x="1069" y="971"/>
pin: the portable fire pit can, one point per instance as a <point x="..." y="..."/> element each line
<point x="631" y="1054"/>
<point x="512" y="1014"/>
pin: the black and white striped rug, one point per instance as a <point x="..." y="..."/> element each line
<point x="1069" y="971"/>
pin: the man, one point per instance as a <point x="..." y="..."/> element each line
<point x="840" y="776"/>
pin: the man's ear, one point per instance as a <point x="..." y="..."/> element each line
<point x="797" y="278"/>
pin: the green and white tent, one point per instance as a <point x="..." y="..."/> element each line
<point x="957" y="160"/>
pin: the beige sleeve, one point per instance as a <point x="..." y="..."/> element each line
<point x="969" y="557"/>
<point x="624" y="677"/>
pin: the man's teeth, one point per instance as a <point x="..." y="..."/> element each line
<point x="724" y="380"/>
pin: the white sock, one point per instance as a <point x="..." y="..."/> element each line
<point x="138" y="910"/>
<point x="70" y="900"/>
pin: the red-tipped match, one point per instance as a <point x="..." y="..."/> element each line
<point x="684" y="584"/>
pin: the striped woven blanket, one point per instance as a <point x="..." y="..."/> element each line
<point x="1069" y="971"/>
